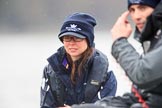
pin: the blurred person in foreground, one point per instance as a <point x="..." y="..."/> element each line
<point x="144" y="71"/>
<point x="78" y="72"/>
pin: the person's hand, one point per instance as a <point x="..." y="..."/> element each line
<point x="122" y="27"/>
<point x="65" y="106"/>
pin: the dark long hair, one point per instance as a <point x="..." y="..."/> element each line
<point x="86" y="54"/>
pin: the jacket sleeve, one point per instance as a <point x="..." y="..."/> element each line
<point x="108" y="88"/>
<point x="142" y="70"/>
<point x="47" y="99"/>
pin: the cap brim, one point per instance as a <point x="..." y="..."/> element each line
<point x="72" y="34"/>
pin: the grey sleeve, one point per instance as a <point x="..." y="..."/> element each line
<point x="143" y="71"/>
<point x="87" y="106"/>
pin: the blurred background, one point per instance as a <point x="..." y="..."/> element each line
<point x="28" y="36"/>
<point x="23" y="16"/>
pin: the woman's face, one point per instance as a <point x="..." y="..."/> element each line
<point x="75" y="46"/>
<point x="139" y="14"/>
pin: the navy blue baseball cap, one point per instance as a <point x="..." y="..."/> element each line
<point x="80" y="25"/>
<point x="151" y="3"/>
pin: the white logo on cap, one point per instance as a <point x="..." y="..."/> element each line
<point x="73" y="27"/>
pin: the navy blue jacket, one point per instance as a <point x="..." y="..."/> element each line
<point x="95" y="83"/>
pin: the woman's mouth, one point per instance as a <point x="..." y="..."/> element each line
<point x="72" y="49"/>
